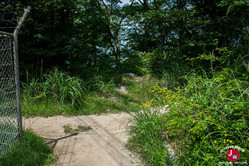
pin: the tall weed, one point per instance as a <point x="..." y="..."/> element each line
<point x="147" y="136"/>
<point x="57" y="86"/>
<point x="205" y="116"/>
<point x="97" y="84"/>
<point x="208" y="115"/>
<point x="64" y="88"/>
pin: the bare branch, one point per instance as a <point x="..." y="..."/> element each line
<point x="141" y="2"/>
<point x="125" y="15"/>
<point x="122" y="19"/>
<point x="105" y="4"/>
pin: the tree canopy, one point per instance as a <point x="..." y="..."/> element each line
<point x="142" y="36"/>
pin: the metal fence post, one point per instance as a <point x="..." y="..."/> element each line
<point x="16" y="66"/>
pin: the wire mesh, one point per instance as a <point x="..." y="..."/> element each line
<point x="10" y="106"/>
<point x="8" y="102"/>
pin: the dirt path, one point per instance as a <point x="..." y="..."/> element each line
<point x="103" y="145"/>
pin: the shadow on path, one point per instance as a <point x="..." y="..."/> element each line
<point x="52" y="142"/>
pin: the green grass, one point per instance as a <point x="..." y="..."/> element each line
<point x="57" y="86"/>
<point x="8" y="133"/>
<point x="29" y="151"/>
<point x="94" y="103"/>
<point x="46" y="108"/>
<point x="147" y="137"/>
<point x="68" y="129"/>
<point x="205" y="115"/>
<point x="97" y="104"/>
<point x="104" y="97"/>
<point x="40" y="97"/>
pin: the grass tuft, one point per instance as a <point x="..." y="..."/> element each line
<point x="68" y="129"/>
<point x="58" y="86"/>
<point x="30" y="150"/>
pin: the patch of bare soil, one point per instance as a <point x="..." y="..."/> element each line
<point x="122" y="89"/>
<point x="103" y="145"/>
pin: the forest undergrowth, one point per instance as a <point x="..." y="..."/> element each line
<point x="188" y="55"/>
<point x="205" y="114"/>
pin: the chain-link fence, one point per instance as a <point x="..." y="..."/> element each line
<point x="8" y="100"/>
<point x="10" y="107"/>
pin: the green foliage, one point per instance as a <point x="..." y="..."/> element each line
<point x="221" y="57"/>
<point x="99" y="103"/>
<point x="145" y="67"/>
<point x="204" y="116"/>
<point x="46" y="107"/>
<point x="46" y="35"/>
<point x="55" y="94"/>
<point x="64" y="88"/>
<point x="160" y="39"/>
<point x="212" y="115"/>
<point x="147" y="136"/>
<point x="85" y="36"/>
<point x="140" y="88"/>
<point x="5" y="138"/>
<point x="33" y="88"/>
<point x="96" y="104"/>
<point x="97" y="83"/>
<point x="68" y="129"/>
<point x="58" y="86"/>
<point x="29" y="150"/>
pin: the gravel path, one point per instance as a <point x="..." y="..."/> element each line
<point x="103" y="145"/>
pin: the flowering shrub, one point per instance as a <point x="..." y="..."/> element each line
<point x="207" y="115"/>
<point x="203" y="117"/>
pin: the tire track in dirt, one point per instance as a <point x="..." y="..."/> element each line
<point x="106" y="140"/>
<point x="66" y="152"/>
<point x="103" y="145"/>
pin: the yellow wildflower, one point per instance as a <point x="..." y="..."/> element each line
<point x="215" y="141"/>
<point x="230" y="141"/>
<point x="225" y="135"/>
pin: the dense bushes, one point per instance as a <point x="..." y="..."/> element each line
<point x="205" y="115"/>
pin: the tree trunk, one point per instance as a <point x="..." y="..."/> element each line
<point x="118" y="53"/>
